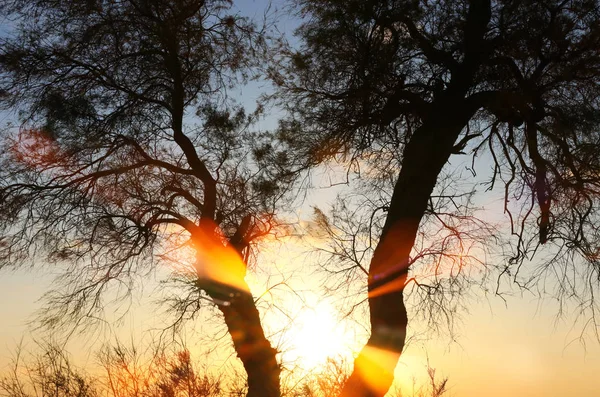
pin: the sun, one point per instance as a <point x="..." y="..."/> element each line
<point x="317" y="335"/>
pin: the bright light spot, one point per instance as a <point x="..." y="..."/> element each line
<point x="216" y="263"/>
<point x="373" y="365"/>
<point x="316" y="335"/>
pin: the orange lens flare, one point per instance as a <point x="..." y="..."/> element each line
<point x="217" y="262"/>
<point x="372" y="366"/>
<point x="396" y="284"/>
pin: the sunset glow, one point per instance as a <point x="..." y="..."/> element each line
<point x="316" y="335"/>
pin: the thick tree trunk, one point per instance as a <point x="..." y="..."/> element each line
<point x="252" y="347"/>
<point x="221" y="274"/>
<point x="423" y="159"/>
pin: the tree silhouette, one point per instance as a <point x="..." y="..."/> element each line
<point x="426" y="80"/>
<point x="130" y="149"/>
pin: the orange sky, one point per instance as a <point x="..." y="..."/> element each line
<point x="516" y="350"/>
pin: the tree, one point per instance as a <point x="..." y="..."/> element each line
<point x="427" y="80"/>
<point x="130" y="149"/>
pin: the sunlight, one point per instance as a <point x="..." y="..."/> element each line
<point x="210" y="251"/>
<point x="316" y="336"/>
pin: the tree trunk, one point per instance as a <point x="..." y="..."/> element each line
<point x="423" y="159"/>
<point x="252" y="347"/>
<point x="221" y="274"/>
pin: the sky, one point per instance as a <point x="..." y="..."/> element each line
<point x="516" y="346"/>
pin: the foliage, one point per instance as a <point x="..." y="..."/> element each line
<point x="161" y="372"/>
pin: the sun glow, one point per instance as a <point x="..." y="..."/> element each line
<point x="315" y="336"/>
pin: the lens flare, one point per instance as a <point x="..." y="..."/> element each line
<point x="317" y="335"/>
<point x="216" y="262"/>
<point x="371" y="366"/>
